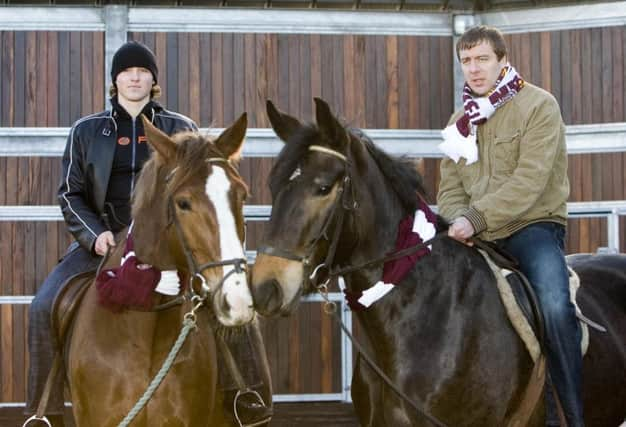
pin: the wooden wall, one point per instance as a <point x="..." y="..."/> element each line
<point x="396" y="82"/>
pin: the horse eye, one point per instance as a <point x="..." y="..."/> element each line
<point x="184" y="204"/>
<point x="323" y="190"/>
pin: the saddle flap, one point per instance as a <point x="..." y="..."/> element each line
<point x="66" y="302"/>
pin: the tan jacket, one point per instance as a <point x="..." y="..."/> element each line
<point x="521" y="173"/>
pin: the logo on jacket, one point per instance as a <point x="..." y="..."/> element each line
<point x="123" y="140"/>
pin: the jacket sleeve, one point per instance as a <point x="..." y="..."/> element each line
<point x="538" y="149"/>
<point x="452" y="200"/>
<point x="81" y="219"/>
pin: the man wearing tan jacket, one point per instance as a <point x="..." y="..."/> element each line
<point x="504" y="179"/>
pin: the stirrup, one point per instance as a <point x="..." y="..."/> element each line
<point x="36" y="418"/>
<point x="259" y="399"/>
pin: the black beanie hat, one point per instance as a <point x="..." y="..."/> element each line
<point x="133" y="54"/>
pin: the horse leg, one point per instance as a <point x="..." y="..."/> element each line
<point x="366" y="395"/>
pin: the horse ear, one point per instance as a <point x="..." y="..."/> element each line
<point x="230" y="142"/>
<point x="329" y="125"/>
<point x="283" y="124"/>
<point x="158" y="140"/>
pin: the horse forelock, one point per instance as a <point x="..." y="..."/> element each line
<point x="292" y="154"/>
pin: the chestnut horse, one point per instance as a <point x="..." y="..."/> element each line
<point x="187" y="214"/>
<point x="441" y="335"/>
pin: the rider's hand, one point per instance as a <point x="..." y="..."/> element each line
<point x="461" y="230"/>
<point x="103" y="241"/>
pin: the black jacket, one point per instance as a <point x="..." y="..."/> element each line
<point x="86" y="168"/>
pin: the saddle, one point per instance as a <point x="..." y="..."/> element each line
<point x="520" y="301"/>
<point x="66" y="303"/>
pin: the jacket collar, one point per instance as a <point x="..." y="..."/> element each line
<point x="120" y="114"/>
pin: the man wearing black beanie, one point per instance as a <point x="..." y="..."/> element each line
<point x="103" y="156"/>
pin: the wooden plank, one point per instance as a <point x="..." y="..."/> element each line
<point x="327" y="354"/>
<point x="316" y="66"/>
<point x="75" y="77"/>
<point x="587" y="77"/>
<point x="172" y="78"/>
<point x="238" y="73"/>
<point x="206" y="88"/>
<point x="292" y="81"/>
<point x="566" y="77"/>
<point x="98" y="99"/>
<point x="12" y="183"/>
<point x="216" y="80"/>
<point x="381" y="114"/>
<point x="20" y="78"/>
<point x="337" y="98"/>
<point x="423" y="80"/>
<point x="182" y="63"/>
<point x="576" y="79"/>
<point x="326" y="73"/>
<point x="3" y="183"/>
<point x="52" y="86"/>
<point x="359" y="79"/>
<point x="87" y="83"/>
<point x="446" y="80"/>
<point x="555" y="48"/>
<point x="596" y="74"/>
<point x="546" y="63"/>
<point x="372" y="101"/>
<point x="260" y="87"/>
<point x="413" y="78"/>
<point x="306" y="98"/>
<point x="252" y="101"/>
<point x="160" y="51"/>
<point x="405" y="79"/>
<point x="228" y="81"/>
<point x="391" y="72"/>
<point x="607" y="75"/>
<point x="63" y="104"/>
<point x="30" y="89"/>
<point x="8" y="79"/>
<point x="41" y="82"/>
<point x="6" y="355"/>
<point x="618" y="75"/>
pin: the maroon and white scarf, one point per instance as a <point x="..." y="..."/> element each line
<point x="133" y="283"/>
<point x="412" y="230"/>
<point x="459" y="139"/>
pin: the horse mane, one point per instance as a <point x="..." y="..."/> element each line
<point x="399" y="172"/>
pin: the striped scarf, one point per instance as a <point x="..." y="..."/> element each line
<point x="459" y="139"/>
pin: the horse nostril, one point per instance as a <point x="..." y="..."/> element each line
<point x="268" y="296"/>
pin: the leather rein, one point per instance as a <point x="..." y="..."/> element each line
<point x="346" y="202"/>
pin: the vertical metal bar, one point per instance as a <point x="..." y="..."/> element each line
<point x="346" y="347"/>
<point x="460" y="23"/>
<point x="612" y="226"/>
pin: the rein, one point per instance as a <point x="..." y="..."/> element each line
<point x="343" y="204"/>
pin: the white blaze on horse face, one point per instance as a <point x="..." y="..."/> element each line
<point x="235" y="289"/>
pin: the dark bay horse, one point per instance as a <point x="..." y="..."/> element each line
<point x="441" y="335"/>
<point x="188" y="216"/>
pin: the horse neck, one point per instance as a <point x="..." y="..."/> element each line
<point x="373" y="224"/>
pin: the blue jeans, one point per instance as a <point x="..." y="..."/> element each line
<point x="40" y="339"/>
<point x="539" y="250"/>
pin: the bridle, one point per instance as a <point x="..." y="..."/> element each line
<point x="345" y="202"/>
<point x="240" y="265"/>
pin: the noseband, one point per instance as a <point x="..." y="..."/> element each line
<point x="239" y="264"/>
<point x="344" y="202"/>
